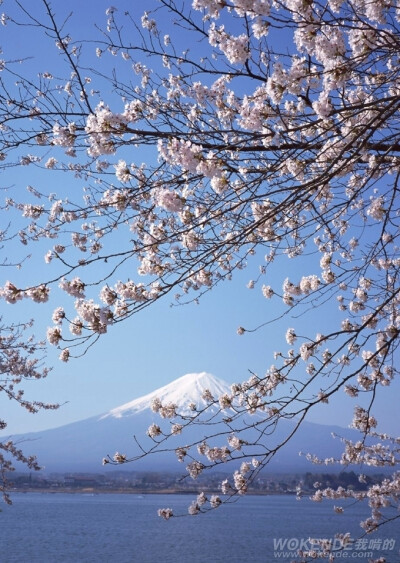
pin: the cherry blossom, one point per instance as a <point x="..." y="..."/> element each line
<point x="196" y="164"/>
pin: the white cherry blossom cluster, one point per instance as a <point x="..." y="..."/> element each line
<point x="74" y="287"/>
<point x="176" y="429"/>
<point x="181" y="453"/>
<point x="185" y="154"/>
<point x="168" y="410"/>
<point x="64" y="136"/>
<point x="94" y="317"/>
<point x="215" y="454"/>
<point x="39" y="294"/>
<point x="11" y="294"/>
<point x="154" y="430"/>
<point x="100" y="127"/>
<point x="165" y="513"/>
<point x="235" y="48"/>
<point x="240" y="482"/>
<point x="195" y="468"/>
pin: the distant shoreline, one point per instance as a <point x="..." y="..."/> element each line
<point x="123" y="491"/>
<point x="171" y="484"/>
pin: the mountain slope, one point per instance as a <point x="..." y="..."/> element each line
<point x="82" y="445"/>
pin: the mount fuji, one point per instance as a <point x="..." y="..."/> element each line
<point x="81" y="446"/>
<point x="182" y="392"/>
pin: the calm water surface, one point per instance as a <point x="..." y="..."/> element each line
<point x="53" y="528"/>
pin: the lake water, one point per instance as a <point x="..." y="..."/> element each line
<point x="79" y="528"/>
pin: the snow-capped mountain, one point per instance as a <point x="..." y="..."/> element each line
<point x="82" y="445"/>
<point x="182" y="392"/>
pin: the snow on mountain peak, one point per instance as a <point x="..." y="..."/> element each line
<point x="182" y="391"/>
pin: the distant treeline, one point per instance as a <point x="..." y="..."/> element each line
<point x="346" y="479"/>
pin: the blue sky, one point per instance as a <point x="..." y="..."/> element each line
<point x="162" y="342"/>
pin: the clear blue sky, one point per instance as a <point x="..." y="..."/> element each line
<point x="161" y="343"/>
